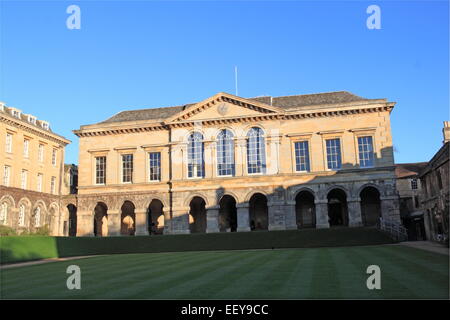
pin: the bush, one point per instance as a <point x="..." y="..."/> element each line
<point x="42" y="231"/>
<point x="7" y="231"/>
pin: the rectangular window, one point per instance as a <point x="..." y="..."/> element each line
<point x="365" y="149"/>
<point x="334" y="161"/>
<point x="414" y="184"/>
<point x="127" y="168"/>
<point x="54" y="157"/>
<point x="6" y="175"/>
<point x="301" y="156"/>
<point x="26" y="147"/>
<point x="8" y="145"/>
<point x="100" y="170"/>
<point x="53" y="185"/>
<point x="155" y="166"/>
<point x="41" y="153"/>
<point x="39" y="182"/>
<point x="24" y="179"/>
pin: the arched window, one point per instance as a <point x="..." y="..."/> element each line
<point x="21" y="221"/>
<point x="256" y="153"/>
<point x="37" y="217"/>
<point x="225" y="153"/>
<point x="3" y="213"/>
<point x="196" y="164"/>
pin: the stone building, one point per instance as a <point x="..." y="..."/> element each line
<point x="32" y="165"/>
<point x="238" y="164"/>
<point x="409" y="189"/>
<point x="435" y="191"/>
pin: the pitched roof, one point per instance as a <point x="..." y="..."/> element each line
<point x="404" y="170"/>
<point x="286" y="102"/>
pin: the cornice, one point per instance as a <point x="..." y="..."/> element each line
<point x="36" y="131"/>
<point x="373" y="107"/>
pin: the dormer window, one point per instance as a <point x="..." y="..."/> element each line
<point x="31" y="119"/>
<point x="2" y="107"/>
<point x="16" y="113"/>
<point x="45" y="125"/>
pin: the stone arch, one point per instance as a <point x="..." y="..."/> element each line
<point x="100" y="220"/>
<point x="305" y="209"/>
<point x="219" y="129"/>
<point x="155" y="216"/>
<point x="159" y="198"/>
<point x="7" y="206"/>
<point x="347" y="192"/>
<point x="39" y="214"/>
<point x="72" y="221"/>
<point x="27" y="215"/>
<point x="337" y="207"/>
<point x="248" y="127"/>
<point x="127" y="218"/>
<point x="227" y="213"/>
<point x="380" y="189"/>
<point x="295" y="191"/>
<point x="370" y="205"/>
<point x="259" y="212"/>
<point x="197" y="215"/>
<point x="199" y="195"/>
<point x="231" y="194"/>
<point x="252" y="193"/>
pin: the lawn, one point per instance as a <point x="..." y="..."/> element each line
<point x="309" y="273"/>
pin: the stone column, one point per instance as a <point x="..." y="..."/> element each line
<point x="240" y="145"/>
<point x="180" y="220"/>
<point x="208" y="159"/>
<point x="390" y="208"/>
<point x="167" y="221"/>
<point x="141" y="222"/>
<point x="276" y="216"/>
<point x="212" y="219"/>
<point x="291" y="216"/>
<point x="243" y="221"/>
<point x="85" y="224"/>
<point x="354" y="212"/>
<point x="114" y="223"/>
<point x="321" y="214"/>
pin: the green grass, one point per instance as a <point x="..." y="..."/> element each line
<point x="16" y="249"/>
<point x="254" y="274"/>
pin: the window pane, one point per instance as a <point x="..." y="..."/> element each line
<point x="334" y="154"/>
<point x="302" y="156"/>
<point x="225" y="153"/>
<point x="127" y="168"/>
<point x="155" y="166"/>
<point x="196" y="165"/>
<point x="100" y="170"/>
<point x="256" y="162"/>
<point x="365" y="149"/>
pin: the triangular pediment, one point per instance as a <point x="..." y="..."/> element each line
<point x="223" y="106"/>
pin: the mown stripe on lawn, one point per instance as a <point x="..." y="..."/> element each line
<point x="260" y="283"/>
<point x="52" y="282"/>
<point x="325" y="284"/>
<point x="203" y="285"/>
<point x="395" y="282"/>
<point x="426" y="284"/>
<point x="132" y="284"/>
<point x="298" y="283"/>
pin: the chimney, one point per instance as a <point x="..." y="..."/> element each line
<point x="446" y="131"/>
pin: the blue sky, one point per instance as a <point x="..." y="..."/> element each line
<point x="131" y="55"/>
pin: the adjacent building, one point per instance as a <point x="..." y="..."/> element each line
<point x="229" y="164"/>
<point x="435" y="191"/>
<point x="409" y="189"/>
<point x="32" y="167"/>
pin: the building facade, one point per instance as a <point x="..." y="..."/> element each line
<point x="435" y="198"/>
<point x="409" y="189"/>
<point x="236" y="164"/>
<point x="32" y="164"/>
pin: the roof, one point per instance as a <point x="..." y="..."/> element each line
<point x="285" y="102"/>
<point x="405" y="170"/>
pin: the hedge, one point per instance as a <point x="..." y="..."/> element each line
<point x="24" y="248"/>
